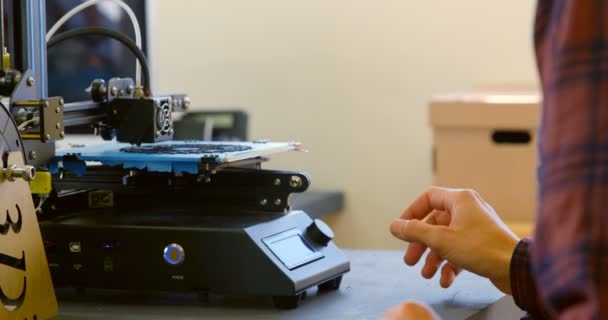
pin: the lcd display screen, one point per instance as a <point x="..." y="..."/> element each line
<point x="292" y="249"/>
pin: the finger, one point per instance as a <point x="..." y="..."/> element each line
<point x="448" y="275"/>
<point x="411" y="310"/>
<point x="415" y="250"/>
<point x="434" y="198"/>
<point x="413" y="253"/>
<point x="442" y="218"/>
<point x="431" y="265"/>
<point x="418" y="231"/>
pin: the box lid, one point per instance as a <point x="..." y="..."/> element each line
<point x="486" y="109"/>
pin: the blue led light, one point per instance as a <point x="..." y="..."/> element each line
<point x="174" y="254"/>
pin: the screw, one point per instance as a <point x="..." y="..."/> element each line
<point x="32" y="155"/>
<point x="157" y="133"/>
<point x="264" y="202"/>
<point x="295" y="182"/>
<point x="130" y="90"/>
<point x="157" y="103"/>
<point x="62" y="134"/>
<point x="58" y="125"/>
<point x="277" y="182"/>
<point x="121" y="93"/>
<point x="61" y="102"/>
<point x="115" y="112"/>
<point x="48" y="136"/>
<point x="113" y="91"/>
<point x="57" y="110"/>
<point x="277" y="201"/>
<point x="186" y="102"/>
<point x="13" y="172"/>
<point x="47" y="104"/>
<point x="30" y="81"/>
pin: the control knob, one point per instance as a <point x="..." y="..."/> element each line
<point x="319" y="232"/>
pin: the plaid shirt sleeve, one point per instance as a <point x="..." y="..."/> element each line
<point x="567" y="272"/>
<point x="523" y="286"/>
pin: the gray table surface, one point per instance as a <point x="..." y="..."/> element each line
<point x="378" y="280"/>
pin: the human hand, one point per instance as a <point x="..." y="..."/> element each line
<point x="458" y="226"/>
<point x="410" y="310"/>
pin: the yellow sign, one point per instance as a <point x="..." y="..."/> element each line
<point x="26" y="289"/>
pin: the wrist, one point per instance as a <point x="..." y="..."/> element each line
<point x="501" y="275"/>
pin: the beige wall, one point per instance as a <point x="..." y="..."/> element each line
<point x="349" y="78"/>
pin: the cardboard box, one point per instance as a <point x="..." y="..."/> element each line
<point x="487" y="141"/>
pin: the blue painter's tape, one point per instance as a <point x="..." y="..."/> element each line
<point x="187" y="167"/>
<point x="159" y="166"/>
<point x="76" y="166"/>
<point x="54" y="167"/>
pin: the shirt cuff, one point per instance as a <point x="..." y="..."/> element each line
<point x="523" y="286"/>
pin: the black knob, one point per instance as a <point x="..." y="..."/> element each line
<point x="98" y="90"/>
<point x="319" y="232"/>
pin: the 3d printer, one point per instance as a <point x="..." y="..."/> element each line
<point x="143" y="211"/>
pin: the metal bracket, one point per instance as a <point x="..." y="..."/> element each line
<point x="50" y="114"/>
<point x="26" y="89"/>
<point x="250" y="190"/>
<point x="120" y="88"/>
<point x="51" y="119"/>
<point x="178" y="102"/>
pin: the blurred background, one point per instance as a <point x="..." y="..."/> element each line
<point x="351" y="79"/>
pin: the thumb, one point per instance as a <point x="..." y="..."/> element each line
<point x="416" y="231"/>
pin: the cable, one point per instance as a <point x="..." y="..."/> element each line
<point x="89" y="3"/>
<point x="26" y="123"/>
<point x="97" y="31"/>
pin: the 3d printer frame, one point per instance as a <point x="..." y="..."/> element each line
<point x="31" y="122"/>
